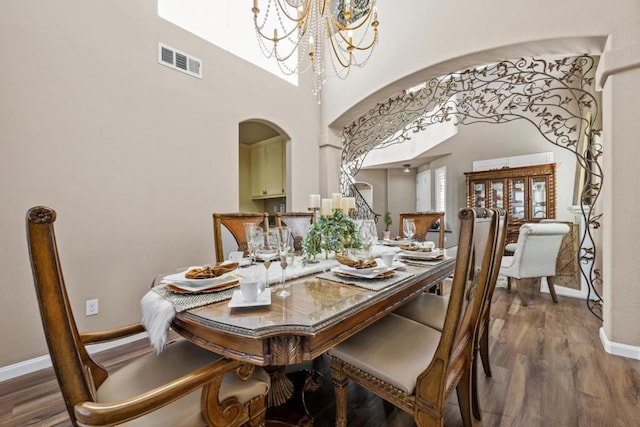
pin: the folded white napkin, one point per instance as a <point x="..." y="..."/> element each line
<point x="157" y="315"/>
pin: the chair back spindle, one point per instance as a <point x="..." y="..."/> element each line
<point x="234" y="223"/>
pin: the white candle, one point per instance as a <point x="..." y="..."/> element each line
<point x="314" y="200"/>
<point x="352" y="202"/>
<point x="336" y="200"/>
<point x="325" y="210"/>
<point x="345" y="204"/>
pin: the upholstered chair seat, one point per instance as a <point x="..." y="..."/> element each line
<point x="376" y="350"/>
<point x="178" y="359"/>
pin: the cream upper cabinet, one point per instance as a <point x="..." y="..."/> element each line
<point x="267" y="169"/>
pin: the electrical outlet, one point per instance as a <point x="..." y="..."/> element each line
<point x="91" y="307"/>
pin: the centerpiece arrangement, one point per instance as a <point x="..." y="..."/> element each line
<point x="336" y="233"/>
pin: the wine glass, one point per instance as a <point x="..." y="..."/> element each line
<point x="368" y="235"/>
<point x="409" y="228"/>
<point x="266" y="249"/>
<point x="251" y="233"/>
<point x="284" y="246"/>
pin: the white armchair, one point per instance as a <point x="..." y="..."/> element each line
<point x="535" y="257"/>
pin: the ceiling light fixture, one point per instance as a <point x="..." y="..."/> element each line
<point x="407" y="168"/>
<point x="339" y="29"/>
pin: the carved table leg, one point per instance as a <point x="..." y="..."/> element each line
<point x="281" y="388"/>
<point x="294" y="411"/>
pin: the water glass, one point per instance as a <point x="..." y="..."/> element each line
<point x="251" y="233"/>
<point x="409" y="228"/>
<point x="285" y="245"/>
<point x="266" y="250"/>
<point x="368" y="235"/>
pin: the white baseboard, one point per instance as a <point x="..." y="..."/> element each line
<point x="544" y="288"/>
<point x="562" y="291"/>
<point x="43" y="362"/>
<point x="618" y="349"/>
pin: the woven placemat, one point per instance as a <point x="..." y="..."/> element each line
<point x="370" y="284"/>
<point x="182" y="302"/>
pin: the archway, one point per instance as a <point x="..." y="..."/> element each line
<point x="556" y="96"/>
<point x="258" y="138"/>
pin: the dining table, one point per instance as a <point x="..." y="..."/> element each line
<point x="324" y="308"/>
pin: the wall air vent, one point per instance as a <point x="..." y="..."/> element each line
<point x="179" y="61"/>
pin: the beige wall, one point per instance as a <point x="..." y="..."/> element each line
<point x="134" y="156"/>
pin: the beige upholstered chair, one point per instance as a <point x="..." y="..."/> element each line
<point x="411" y="365"/>
<point x="535" y="257"/>
<point x="424" y="221"/>
<point x="185" y="385"/>
<point x="430" y="309"/>
<point x="234" y="224"/>
<point x="299" y="223"/>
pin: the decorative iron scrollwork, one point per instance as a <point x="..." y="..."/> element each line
<point x="556" y="96"/>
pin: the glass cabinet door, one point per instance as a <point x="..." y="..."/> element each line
<point x="497" y="194"/>
<point x="517" y="198"/>
<point x="479" y="195"/>
<point x="538" y="193"/>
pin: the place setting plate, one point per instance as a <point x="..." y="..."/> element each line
<point x="177" y="282"/>
<point x="392" y="242"/>
<point x="237" y="301"/>
<point x="423" y="255"/>
<point x="363" y="273"/>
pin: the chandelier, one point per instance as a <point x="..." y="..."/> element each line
<point x="344" y="30"/>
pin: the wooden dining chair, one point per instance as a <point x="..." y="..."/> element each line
<point x="234" y="224"/>
<point x="424" y="221"/>
<point x="430" y="309"/>
<point x="184" y="385"/>
<point x="299" y="223"/>
<point x="411" y="365"/>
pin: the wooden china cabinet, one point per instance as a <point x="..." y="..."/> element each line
<point x="528" y="193"/>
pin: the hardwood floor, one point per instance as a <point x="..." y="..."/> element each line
<point x="549" y="369"/>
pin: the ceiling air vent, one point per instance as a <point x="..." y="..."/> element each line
<point x="179" y="60"/>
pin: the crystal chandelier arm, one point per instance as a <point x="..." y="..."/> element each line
<point x="303" y="15"/>
<point x="336" y="54"/>
<point x="300" y="23"/>
<point x="360" y="47"/>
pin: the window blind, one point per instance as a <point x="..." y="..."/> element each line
<point x="441" y="188"/>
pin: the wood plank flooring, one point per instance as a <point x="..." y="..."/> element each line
<point x="549" y="369"/>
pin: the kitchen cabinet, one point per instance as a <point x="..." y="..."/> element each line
<point x="528" y="193"/>
<point x="268" y="169"/>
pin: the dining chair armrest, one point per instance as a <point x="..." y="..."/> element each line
<point x="111" y="413"/>
<point x="111" y="334"/>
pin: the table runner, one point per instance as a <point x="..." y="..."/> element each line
<point x="370" y="284"/>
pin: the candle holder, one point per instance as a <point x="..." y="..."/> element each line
<point x="316" y="213"/>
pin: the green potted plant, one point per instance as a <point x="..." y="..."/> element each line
<point x="386" y="234"/>
<point x="334" y="234"/>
